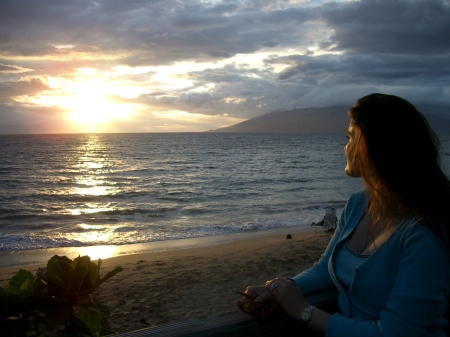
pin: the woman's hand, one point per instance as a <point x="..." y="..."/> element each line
<point x="287" y="295"/>
<point x="258" y="293"/>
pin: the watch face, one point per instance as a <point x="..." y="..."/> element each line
<point x="305" y="315"/>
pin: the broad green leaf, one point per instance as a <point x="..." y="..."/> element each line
<point x="94" y="275"/>
<point x="26" y="285"/>
<point x="83" y="329"/>
<point x="59" y="267"/>
<point x="26" y="289"/>
<point x="74" y="263"/>
<point x="17" y="281"/>
<point x="80" y="267"/>
<point x="91" y="319"/>
<point x="62" y="262"/>
<point x="60" y="284"/>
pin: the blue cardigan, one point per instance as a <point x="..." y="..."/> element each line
<point x="400" y="290"/>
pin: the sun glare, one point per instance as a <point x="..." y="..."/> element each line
<point x="88" y="102"/>
<point x="105" y="101"/>
<point x="90" y="110"/>
<point x="91" y="103"/>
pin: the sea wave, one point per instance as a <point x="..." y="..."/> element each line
<point x="135" y="232"/>
<point x="117" y="189"/>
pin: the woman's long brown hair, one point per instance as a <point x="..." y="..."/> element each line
<point x="400" y="162"/>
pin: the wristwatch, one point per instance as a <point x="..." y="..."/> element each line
<point x="306" y="314"/>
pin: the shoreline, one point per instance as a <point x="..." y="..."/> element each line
<point x="23" y="258"/>
<point x="168" y="286"/>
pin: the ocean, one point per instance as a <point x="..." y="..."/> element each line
<point x="84" y="190"/>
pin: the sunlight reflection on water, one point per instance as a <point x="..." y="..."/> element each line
<point x="90" y="164"/>
<point x="99" y="234"/>
<point x="99" y="252"/>
<point x="95" y="190"/>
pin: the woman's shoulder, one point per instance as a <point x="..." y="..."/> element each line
<point x="359" y="196"/>
<point x="353" y="211"/>
<point x="357" y="201"/>
<point x="412" y="232"/>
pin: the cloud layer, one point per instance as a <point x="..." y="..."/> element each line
<point x="195" y="65"/>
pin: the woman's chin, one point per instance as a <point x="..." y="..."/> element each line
<point x="351" y="173"/>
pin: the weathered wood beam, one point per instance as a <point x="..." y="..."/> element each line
<point x="236" y="323"/>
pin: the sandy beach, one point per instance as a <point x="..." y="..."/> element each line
<point x="156" y="288"/>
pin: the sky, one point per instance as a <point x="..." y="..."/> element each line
<point x="195" y="65"/>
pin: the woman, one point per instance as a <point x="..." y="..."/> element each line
<point x="389" y="256"/>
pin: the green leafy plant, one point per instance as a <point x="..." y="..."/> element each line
<point x="57" y="301"/>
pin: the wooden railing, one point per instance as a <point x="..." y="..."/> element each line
<point x="236" y="323"/>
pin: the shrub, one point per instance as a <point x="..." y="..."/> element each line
<point x="57" y="301"/>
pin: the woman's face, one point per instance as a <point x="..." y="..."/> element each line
<point x="353" y="169"/>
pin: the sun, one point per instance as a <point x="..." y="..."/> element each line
<point x="95" y="102"/>
<point x="90" y="109"/>
<point x="88" y="103"/>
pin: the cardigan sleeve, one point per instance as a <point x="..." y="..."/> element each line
<point x="418" y="298"/>
<point x="318" y="277"/>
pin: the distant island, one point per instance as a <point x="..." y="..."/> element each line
<point x="327" y="120"/>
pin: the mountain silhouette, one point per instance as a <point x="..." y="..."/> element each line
<point x="327" y="120"/>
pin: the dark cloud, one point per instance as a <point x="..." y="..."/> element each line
<point x="234" y="94"/>
<point x="270" y="44"/>
<point x="9" y="90"/>
<point x="29" y="118"/>
<point x="321" y="53"/>
<point x="156" y="32"/>
<point x="391" y="27"/>
<point x="376" y="69"/>
<point x="218" y="54"/>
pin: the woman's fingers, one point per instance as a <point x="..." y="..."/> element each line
<point x="264" y="293"/>
<point x="266" y="296"/>
<point x="276" y="282"/>
<point x="280" y="287"/>
<point x="287" y="295"/>
<point x="255" y="292"/>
